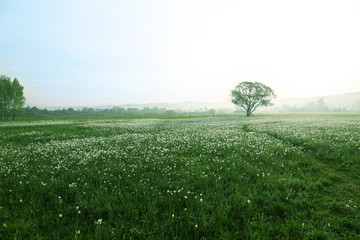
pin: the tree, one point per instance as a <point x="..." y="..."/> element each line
<point x="251" y="95"/>
<point x="318" y="106"/>
<point x="5" y="96"/>
<point x="18" y="99"/>
<point x="11" y="97"/>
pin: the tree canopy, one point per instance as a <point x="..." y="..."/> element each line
<point x="12" y="97"/>
<point x="251" y="95"/>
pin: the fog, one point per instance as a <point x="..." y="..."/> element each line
<point x="93" y="53"/>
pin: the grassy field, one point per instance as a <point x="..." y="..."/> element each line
<point x="261" y="177"/>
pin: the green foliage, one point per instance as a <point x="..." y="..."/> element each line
<point x="251" y="95"/>
<point x="6" y="93"/>
<point x="12" y="97"/>
<point x="114" y="111"/>
<point x="198" y="178"/>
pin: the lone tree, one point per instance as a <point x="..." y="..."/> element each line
<point x="251" y="95"/>
<point x="12" y="97"/>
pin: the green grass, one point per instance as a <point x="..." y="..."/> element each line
<point x="225" y="177"/>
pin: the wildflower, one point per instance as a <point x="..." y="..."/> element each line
<point x="60" y="215"/>
<point x="196" y="225"/>
<point x="248" y="201"/>
<point x="99" y="221"/>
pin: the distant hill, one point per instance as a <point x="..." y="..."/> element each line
<point x="350" y="101"/>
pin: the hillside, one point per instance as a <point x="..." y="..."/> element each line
<point x="349" y="101"/>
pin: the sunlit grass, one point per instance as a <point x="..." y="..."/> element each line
<point x="264" y="177"/>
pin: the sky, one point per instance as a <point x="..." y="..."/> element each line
<point x="87" y="52"/>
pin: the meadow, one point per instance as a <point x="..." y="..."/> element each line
<point x="224" y="177"/>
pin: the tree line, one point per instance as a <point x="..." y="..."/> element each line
<point x="12" y="97"/>
<point x="315" y="106"/>
<point x="114" y="111"/>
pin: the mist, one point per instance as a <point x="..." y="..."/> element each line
<point x="96" y="53"/>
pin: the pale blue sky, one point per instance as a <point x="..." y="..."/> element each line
<point x="85" y="52"/>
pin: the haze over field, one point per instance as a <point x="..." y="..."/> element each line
<point x="68" y="53"/>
